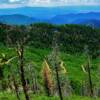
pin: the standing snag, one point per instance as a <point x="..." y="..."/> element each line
<point x="20" y="52"/>
<point x="87" y="70"/>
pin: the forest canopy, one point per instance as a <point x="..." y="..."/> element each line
<point x="71" y="38"/>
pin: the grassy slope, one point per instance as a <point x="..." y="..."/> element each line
<point x="72" y="64"/>
<point x="10" y="96"/>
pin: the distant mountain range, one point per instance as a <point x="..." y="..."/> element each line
<point x="39" y="12"/>
<point x="91" y="18"/>
<point x="70" y="18"/>
<point x="16" y="19"/>
<point x="61" y="15"/>
<point x="91" y="22"/>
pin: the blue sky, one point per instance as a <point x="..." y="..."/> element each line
<point x="32" y="3"/>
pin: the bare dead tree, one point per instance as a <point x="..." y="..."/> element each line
<point x="33" y="77"/>
<point x="55" y="61"/>
<point x="90" y="79"/>
<point x="16" y="87"/>
<point x="58" y="82"/>
<point x="20" y="52"/>
<point x="19" y="44"/>
<point x="87" y="70"/>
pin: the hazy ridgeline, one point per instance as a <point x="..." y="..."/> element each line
<point x="59" y="61"/>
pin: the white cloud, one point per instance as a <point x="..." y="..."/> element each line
<point x="13" y="1"/>
<point x="10" y="5"/>
<point x="62" y="2"/>
<point x="18" y="3"/>
<point x="39" y="3"/>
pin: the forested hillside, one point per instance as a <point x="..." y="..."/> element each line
<point x="50" y="62"/>
<point x="72" y="38"/>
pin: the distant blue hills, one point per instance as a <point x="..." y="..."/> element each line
<point x="90" y="22"/>
<point x="91" y="18"/>
<point x="56" y="15"/>
<point x="17" y="19"/>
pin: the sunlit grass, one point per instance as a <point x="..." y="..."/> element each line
<point x="12" y="96"/>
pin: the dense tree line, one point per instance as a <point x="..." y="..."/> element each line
<point x="72" y="38"/>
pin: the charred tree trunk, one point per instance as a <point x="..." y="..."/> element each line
<point x="34" y="85"/>
<point x="14" y="83"/>
<point x="16" y="88"/>
<point x="34" y="81"/>
<point x="58" y="83"/>
<point x="90" y="80"/>
<point x="21" y="58"/>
